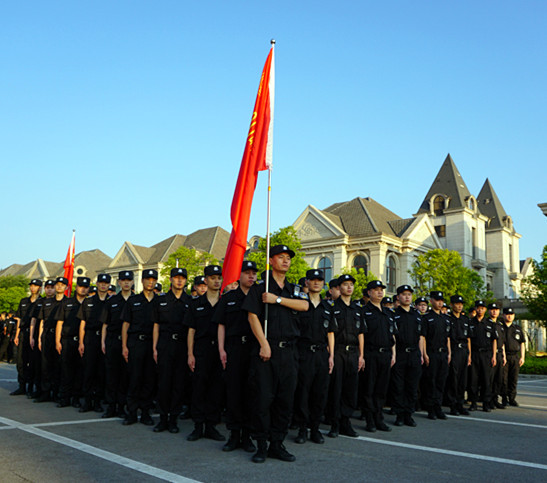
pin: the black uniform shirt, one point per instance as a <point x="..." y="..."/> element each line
<point x="68" y="313"/>
<point x="500" y="333"/>
<point x="482" y="333"/>
<point x="229" y="313"/>
<point x="112" y="314"/>
<point x="380" y="326"/>
<point x="316" y="323"/>
<point x="48" y="312"/>
<point x="25" y="311"/>
<point x="460" y="329"/>
<point x="348" y="322"/>
<point x="11" y="326"/>
<point x="437" y="329"/>
<point x="138" y="313"/>
<point x="409" y="327"/>
<point x="199" y="317"/>
<point x="169" y="311"/>
<point x="91" y="311"/>
<point x="514" y="337"/>
<point x="282" y="321"/>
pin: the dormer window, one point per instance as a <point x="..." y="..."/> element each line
<point x="438" y="205"/>
<point x="471" y="204"/>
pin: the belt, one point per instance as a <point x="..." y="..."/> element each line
<point x="143" y="336"/>
<point x="440" y="349"/>
<point x="512" y="353"/>
<point x="97" y="332"/>
<point x="175" y="336"/>
<point x="282" y="344"/>
<point x="484" y="349"/>
<point x="71" y="337"/>
<point x="378" y="349"/>
<point x="347" y="348"/>
<point x="238" y="338"/>
<point x="51" y="331"/>
<point x="406" y="349"/>
<point x="315" y="347"/>
<point x="110" y="335"/>
<point x="461" y="345"/>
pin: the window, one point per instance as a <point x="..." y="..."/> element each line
<point x="391" y="274"/>
<point x="438" y="205"/>
<point x="325" y="264"/>
<point x="471" y="204"/>
<point x="474" y="241"/>
<point x="441" y="231"/>
<point x="360" y="261"/>
<point x="511" y="257"/>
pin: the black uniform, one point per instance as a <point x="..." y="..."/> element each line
<point x="36" y="356"/>
<point x="498" y="369"/>
<point x="406" y="372"/>
<point x="4" y="339"/>
<point x="514" y="338"/>
<point x="71" y="362"/>
<point x="275" y="379"/>
<point x="116" y="376"/>
<point x="437" y="331"/>
<point x="483" y="333"/>
<point x="313" y="364"/>
<point x="24" y="351"/>
<point x="457" y="374"/>
<point x="172" y="347"/>
<point x="138" y="313"/>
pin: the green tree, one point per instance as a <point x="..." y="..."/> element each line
<point x="12" y="289"/>
<point x="534" y="290"/>
<point x="361" y="280"/>
<point x="443" y="270"/>
<point x="194" y="261"/>
<point x="283" y="236"/>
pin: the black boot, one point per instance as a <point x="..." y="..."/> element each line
<point x="315" y="435"/>
<point x="277" y="450"/>
<point x="371" y="426"/>
<point x="334" y="430"/>
<point x="399" y="421"/>
<point x="130" y="419"/>
<point x="120" y="411"/>
<point x="146" y="419"/>
<point x="87" y="406"/>
<point x="75" y="402"/>
<point x="462" y="410"/>
<point x="380" y="425"/>
<point x="97" y="406"/>
<point x="233" y="441"/>
<point x="409" y="421"/>
<point x="302" y="436"/>
<point x="346" y="428"/>
<point x="261" y="452"/>
<point x="162" y="425"/>
<point x="197" y="433"/>
<point x="109" y="413"/>
<point x="172" y="425"/>
<point x="212" y="433"/>
<point x="246" y="442"/>
<point x="18" y="392"/>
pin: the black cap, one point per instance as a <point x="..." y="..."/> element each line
<point x="508" y="310"/>
<point x="334" y="283"/>
<point x="387" y="300"/>
<point x="125" y="275"/>
<point x="104" y="277"/>
<point x="454" y="299"/>
<point x="36" y="281"/>
<point x="92" y="289"/>
<point x="149" y="273"/>
<point x="493" y="305"/>
<point x="175" y="272"/>
<point x="480" y="303"/>
<point x="212" y="270"/>
<point x="200" y="280"/>
<point x="315" y="274"/>
<point x="277" y="249"/>
<point x="436" y="295"/>
<point x="83" y="281"/>
<point x="420" y="300"/>
<point x="375" y="284"/>
<point x="112" y="288"/>
<point x="61" y="280"/>
<point x="404" y="288"/>
<point x="50" y="283"/>
<point x="345" y="277"/>
<point x="158" y="286"/>
<point x="302" y="281"/>
<point x="248" y="265"/>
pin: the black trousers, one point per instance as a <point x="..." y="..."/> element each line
<point x="172" y="357"/>
<point x="142" y="374"/>
<point x="436" y="374"/>
<point x="456" y="383"/>
<point x="312" y="386"/>
<point x="71" y="369"/>
<point x="405" y="377"/>
<point x="344" y="382"/>
<point x="376" y="381"/>
<point x="24" y="354"/>
<point x="36" y="363"/>
<point x="51" y="364"/>
<point x="511" y="376"/>
<point x="93" y="383"/>
<point x="207" y="383"/>
<point x="481" y="375"/>
<point x="239" y="401"/>
<point x="275" y="383"/>
<point x="497" y="376"/>
<point x="116" y="374"/>
<point x="4" y="343"/>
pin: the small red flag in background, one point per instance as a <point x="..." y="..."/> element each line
<point x="69" y="265"/>
<point x="256" y="157"/>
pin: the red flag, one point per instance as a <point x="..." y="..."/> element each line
<point x="256" y="157"/>
<point x="69" y="265"/>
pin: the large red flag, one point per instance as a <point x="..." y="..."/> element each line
<point x="69" y="265"/>
<point x="256" y="157"/>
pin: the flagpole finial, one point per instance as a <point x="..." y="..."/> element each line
<point x="272" y="42"/>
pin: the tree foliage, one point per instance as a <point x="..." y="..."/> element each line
<point x="361" y="280"/>
<point x="12" y="289"/>
<point x="534" y="289"/>
<point x="283" y="236"/>
<point x="194" y="261"/>
<point x="443" y="270"/>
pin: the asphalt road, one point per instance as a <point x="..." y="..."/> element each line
<point x="39" y="442"/>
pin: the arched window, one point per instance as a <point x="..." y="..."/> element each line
<point x="360" y="261"/>
<point x="325" y="264"/>
<point x="438" y="205"/>
<point x="471" y="204"/>
<point x="391" y="274"/>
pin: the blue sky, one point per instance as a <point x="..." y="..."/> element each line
<point x="127" y="120"/>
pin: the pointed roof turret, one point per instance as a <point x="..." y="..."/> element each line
<point x="490" y="205"/>
<point x="448" y="182"/>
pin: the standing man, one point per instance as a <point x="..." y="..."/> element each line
<point x="275" y="368"/>
<point x="316" y="360"/>
<point x="67" y="336"/>
<point x="515" y="350"/>
<point x="501" y="359"/>
<point x="22" y="338"/>
<point x="116" y="376"/>
<point x="407" y="370"/>
<point x="137" y="328"/>
<point x="334" y="289"/>
<point x="90" y="345"/>
<point x="460" y="345"/>
<point x="169" y="345"/>
<point x="483" y="357"/>
<point x="235" y="344"/>
<point x="437" y="355"/>
<point x="200" y="285"/>
<point x="203" y="359"/>
<point x="380" y="356"/>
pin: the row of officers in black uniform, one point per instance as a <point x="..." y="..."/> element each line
<point x="269" y="353"/>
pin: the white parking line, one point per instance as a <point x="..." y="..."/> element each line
<point x="106" y="455"/>
<point x="82" y="421"/>
<point x="532" y="407"/>
<point x="497" y="421"/>
<point x="8" y="380"/>
<point x="532" y="394"/>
